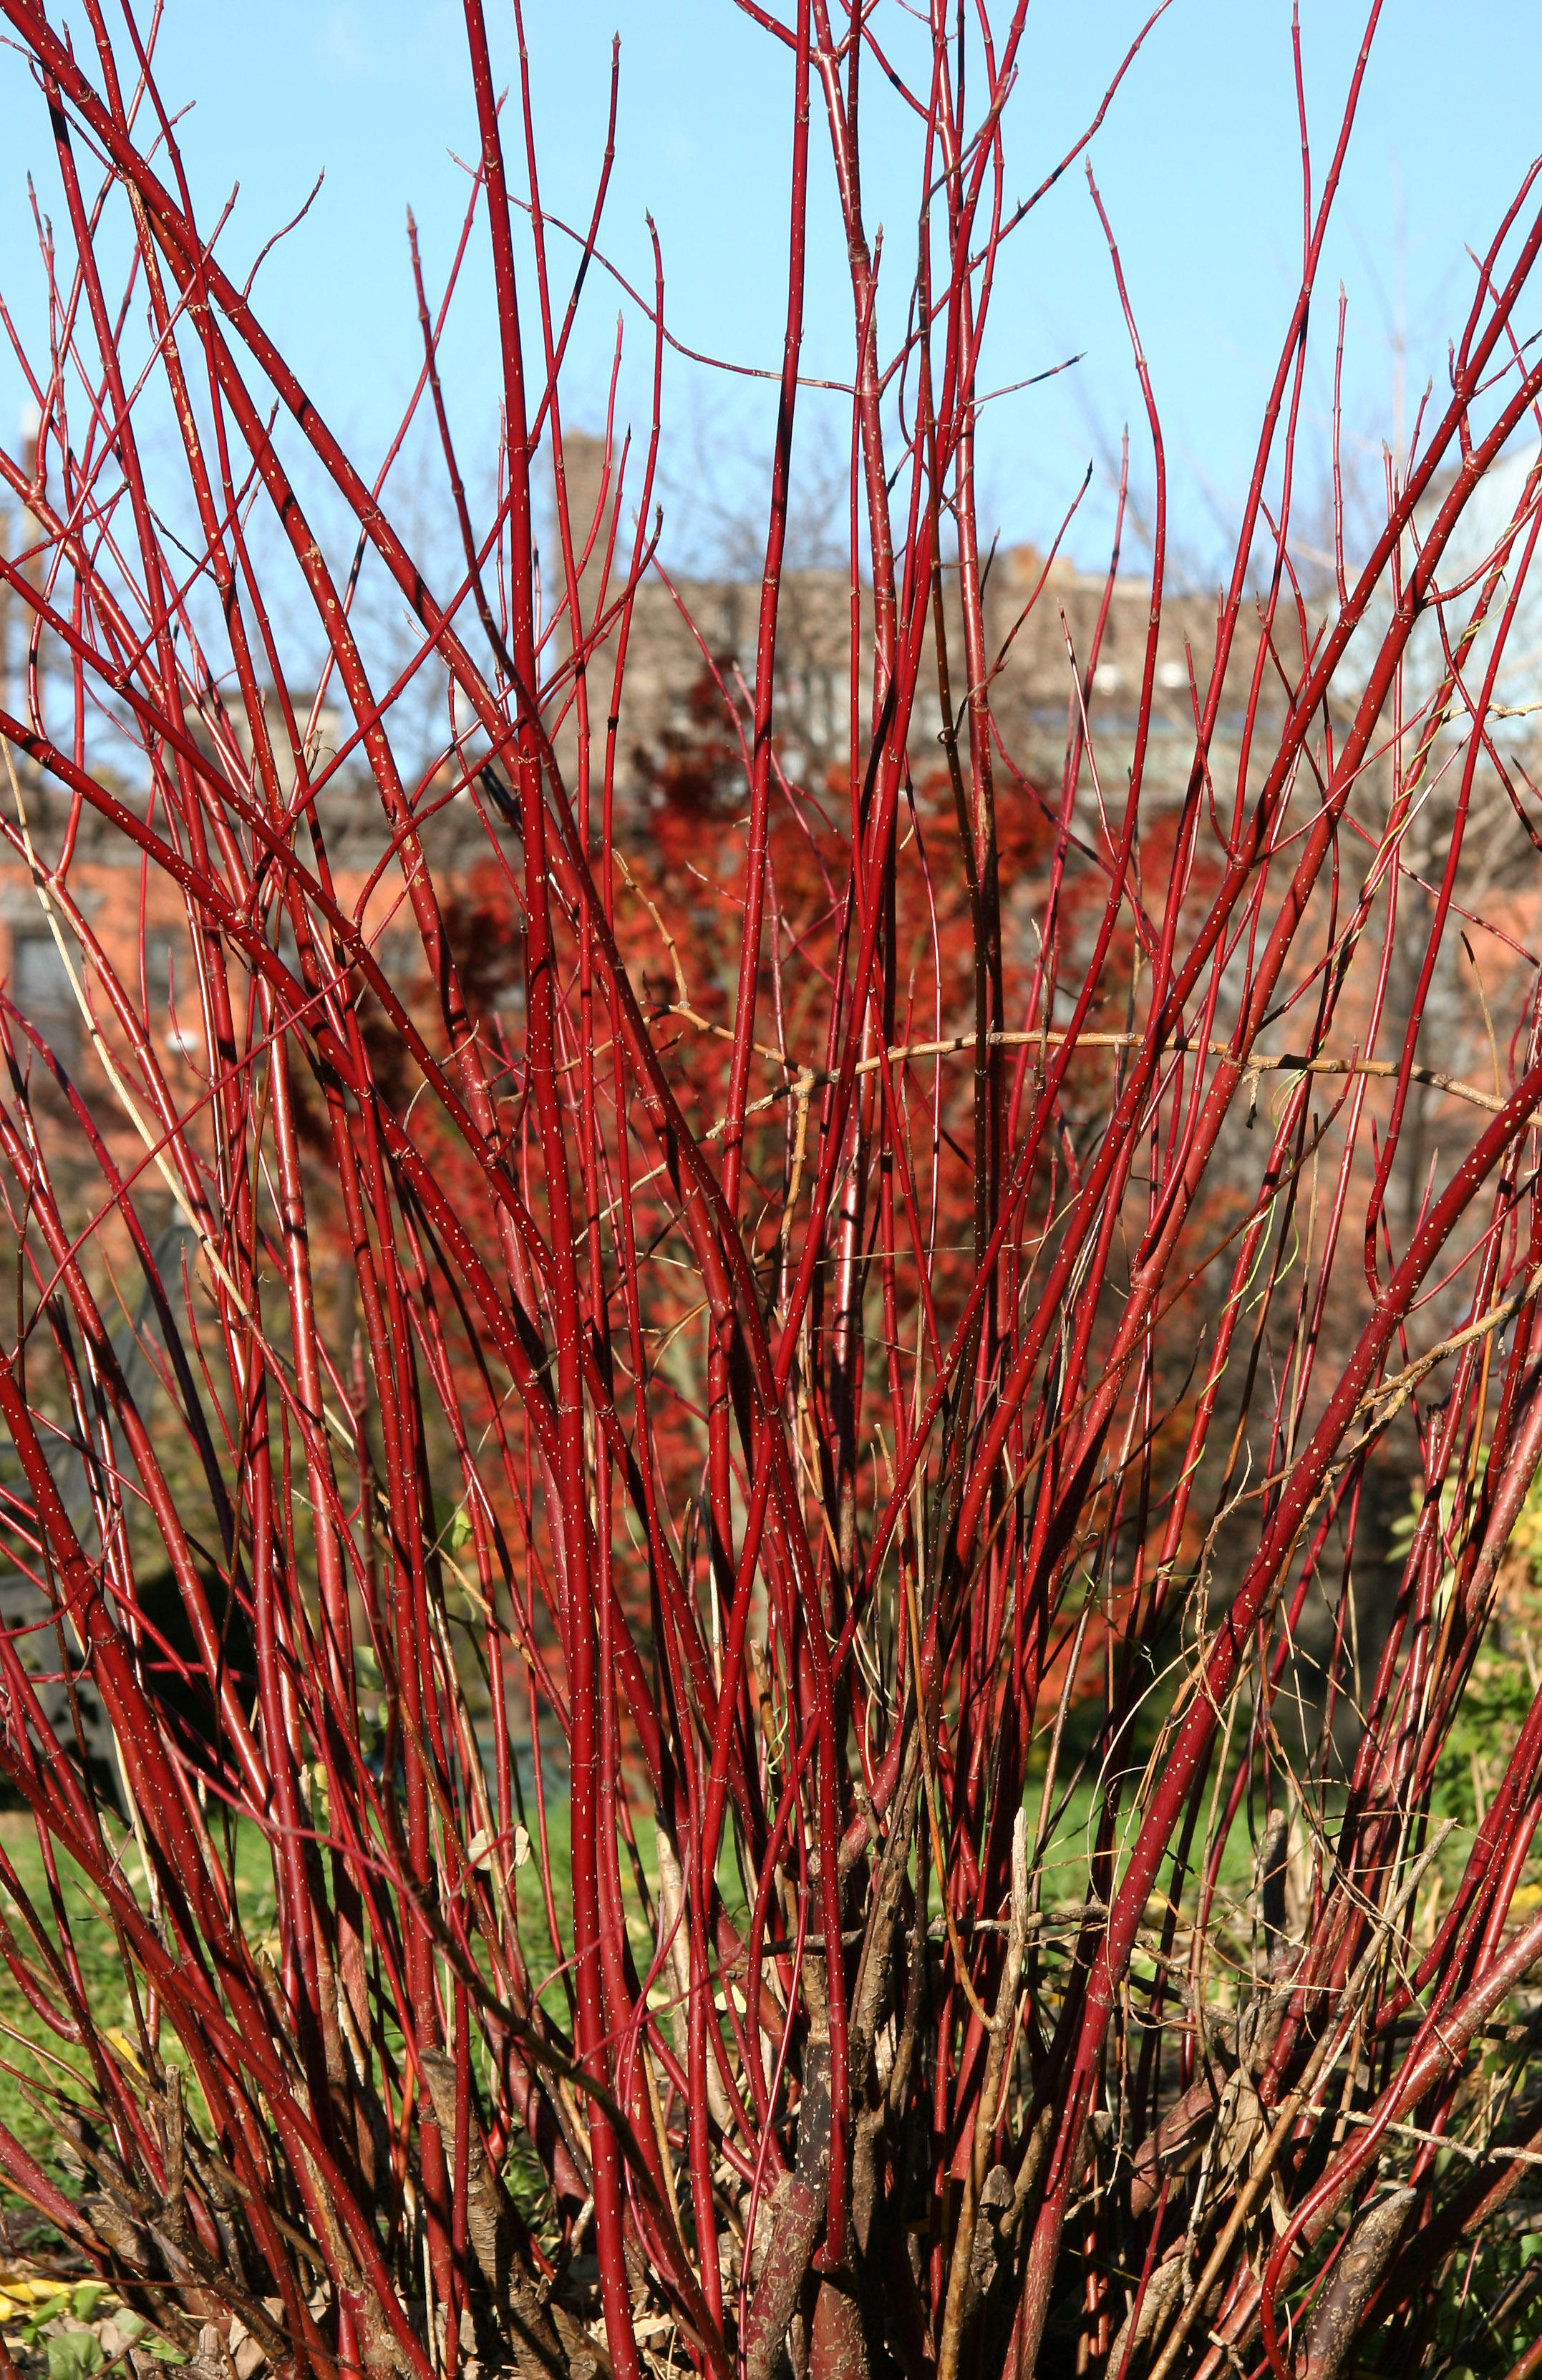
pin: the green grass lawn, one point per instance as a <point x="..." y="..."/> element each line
<point x="33" y="2057"/>
<point x="31" y="2052"/>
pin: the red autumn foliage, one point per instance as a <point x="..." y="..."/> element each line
<point x="835" y="1353"/>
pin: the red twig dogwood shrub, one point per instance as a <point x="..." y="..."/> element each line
<point x="699" y="1524"/>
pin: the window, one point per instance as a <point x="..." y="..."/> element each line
<point x="171" y="985"/>
<point x="42" y="990"/>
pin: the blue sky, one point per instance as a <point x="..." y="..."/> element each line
<point x="1199" y="164"/>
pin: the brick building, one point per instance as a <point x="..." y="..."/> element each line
<point x="1032" y="698"/>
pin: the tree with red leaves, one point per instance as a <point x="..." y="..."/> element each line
<point x="747" y="1454"/>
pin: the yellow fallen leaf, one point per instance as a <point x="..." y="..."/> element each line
<point x="19" y="2290"/>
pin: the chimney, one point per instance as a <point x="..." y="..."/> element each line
<point x="583" y="472"/>
<point x="14" y="524"/>
<point x="32" y="423"/>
